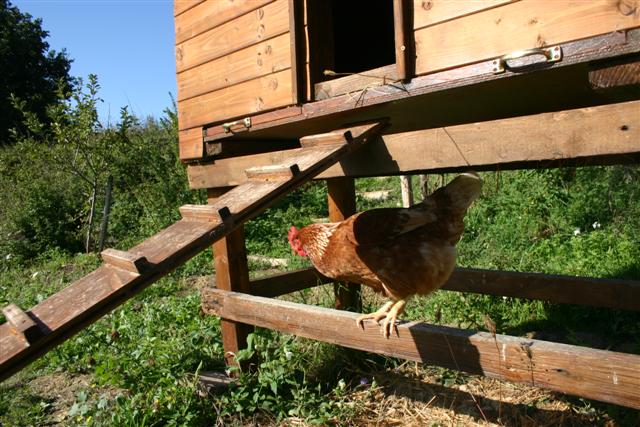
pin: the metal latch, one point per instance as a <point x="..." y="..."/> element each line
<point x="246" y="122"/>
<point x="551" y="54"/>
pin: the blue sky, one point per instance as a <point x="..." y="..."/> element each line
<point x="128" y="44"/>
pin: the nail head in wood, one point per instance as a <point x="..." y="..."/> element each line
<point x="21" y="323"/>
<point x="125" y="260"/>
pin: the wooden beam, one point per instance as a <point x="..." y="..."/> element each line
<point x="595" y="374"/>
<point x="608" y="293"/>
<point x="232" y="274"/>
<point x="520" y="142"/>
<point x="356" y="82"/>
<point x="403" y="34"/>
<point x="298" y="51"/>
<point x="286" y="283"/>
<point x="342" y="204"/>
<point x="432" y="12"/>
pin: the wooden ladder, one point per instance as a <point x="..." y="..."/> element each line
<point x="29" y="334"/>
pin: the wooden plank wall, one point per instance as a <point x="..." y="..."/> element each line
<point x="455" y="33"/>
<point x="233" y="58"/>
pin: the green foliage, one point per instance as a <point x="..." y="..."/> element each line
<point x="283" y="384"/>
<point x="30" y="70"/>
<point x="58" y="179"/>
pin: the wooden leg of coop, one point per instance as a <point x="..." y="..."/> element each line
<point x="232" y="273"/>
<point x="342" y="204"/>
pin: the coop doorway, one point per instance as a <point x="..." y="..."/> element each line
<point x="348" y="38"/>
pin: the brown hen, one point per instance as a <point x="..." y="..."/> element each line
<point x="399" y="252"/>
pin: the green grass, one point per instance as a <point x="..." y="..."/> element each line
<point x="142" y="357"/>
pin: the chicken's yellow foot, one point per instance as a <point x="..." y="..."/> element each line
<point x="389" y="312"/>
<point x="377" y="315"/>
<point x="389" y="323"/>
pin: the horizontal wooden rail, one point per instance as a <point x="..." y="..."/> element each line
<point x="609" y="293"/>
<point x="598" y="135"/>
<point x="595" y="374"/>
<point x="285" y="283"/>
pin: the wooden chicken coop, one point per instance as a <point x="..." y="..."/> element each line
<point x="273" y="93"/>
<point x="460" y="84"/>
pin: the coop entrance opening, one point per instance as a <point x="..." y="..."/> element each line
<point x="363" y="35"/>
<point x="349" y="37"/>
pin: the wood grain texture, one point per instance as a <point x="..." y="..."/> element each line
<point x="595" y="374"/>
<point x="357" y="82"/>
<point x="86" y="300"/>
<point x="190" y="145"/>
<point x="608" y="293"/>
<point x="426" y="94"/>
<point x="264" y="93"/>
<point x="403" y="35"/>
<point x="587" y="132"/>
<point x="232" y="274"/>
<point x="615" y="76"/>
<point x="181" y="6"/>
<point x="430" y="12"/>
<point x="210" y="14"/>
<point x="521" y="25"/>
<point x="267" y="57"/>
<point x="272" y="173"/>
<point x="22" y="325"/>
<point x="124" y="260"/>
<point x="263" y="23"/>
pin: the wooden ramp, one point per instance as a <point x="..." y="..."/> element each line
<point x="27" y="335"/>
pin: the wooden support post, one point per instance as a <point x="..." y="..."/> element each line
<point x="406" y="190"/>
<point x="232" y="274"/>
<point x="342" y="204"/>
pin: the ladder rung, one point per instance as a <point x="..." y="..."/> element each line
<point x="336" y="137"/>
<point x="272" y="172"/>
<point x="125" y="260"/>
<point x="202" y="213"/>
<point x="22" y="323"/>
